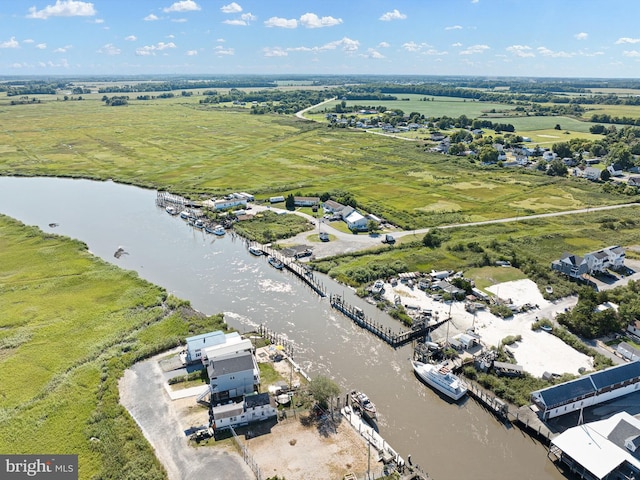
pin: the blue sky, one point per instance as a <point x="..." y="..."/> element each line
<point x="563" y="38"/>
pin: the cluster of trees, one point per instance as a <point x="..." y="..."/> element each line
<point x="25" y="100"/>
<point x="606" y="118"/>
<point x="588" y="321"/>
<point x="169" y="86"/>
<point x="268" y="101"/>
<point x="115" y="101"/>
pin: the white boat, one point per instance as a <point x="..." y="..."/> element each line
<point x="171" y="210"/>
<point x="283" y="399"/>
<point x="275" y="263"/>
<point x="441" y="378"/>
<point x="184" y="214"/>
<point x="255" y="251"/>
<point x="378" y="287"/>
<point x="361" y="401"/>
<point x="198" y="224"/>
<point x="217" y="230"/>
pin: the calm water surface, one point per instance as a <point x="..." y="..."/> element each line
<point x="449" y="441"/>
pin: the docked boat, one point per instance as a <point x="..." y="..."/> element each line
<point x="441" y="378"/>
<point x="185" y="214"/>
<point x="217" y="230"/>
<point x="255" y="251"/>
<point x="361" y="401"/>
<point x="275" y="263"/>
<point x="171" y="210"/>
<point x="198" y="223"/>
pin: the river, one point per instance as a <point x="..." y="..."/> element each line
<point x="449" y="441"/>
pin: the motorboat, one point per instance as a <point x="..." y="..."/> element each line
<point x="171" y="210"/>
<point x="198" y="223"/>
<point x="275" y="263"/>
<point x="378" y="287"/>
<point x="255" y="251"/>
<point x="360" y="401"/>
<point x="218" y="230"/>
<point x="441" y="378"/>
<point x="185" y="214"/>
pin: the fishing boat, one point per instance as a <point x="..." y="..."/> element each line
<point x="171" y="210"/>
<point x="275" y="263"/>
<point x="198" y="223"/>
<point x="255" y="251"/>
<point x="184" y="214"/>
<point x="441" y="378"/>
<point x="218" y="230"/>
<point x="361" y="401"/>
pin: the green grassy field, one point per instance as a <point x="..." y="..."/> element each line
<point x="440" y="106"/>
<point x="179" y="145"/>
<point x="66" y="335"/>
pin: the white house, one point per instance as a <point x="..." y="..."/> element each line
<point x="197" y="343"/>
<point x="223" y="204"/>
<point x="610" y="257"/>
<point x="253" y="408"/>
<point x="355" y="221"/>
<point x="306" y="201"/>
<point x="232" y="375"/>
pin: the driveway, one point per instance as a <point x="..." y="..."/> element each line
<point x="143" y="394"/>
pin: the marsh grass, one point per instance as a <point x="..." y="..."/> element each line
<point x="71" y="324"/>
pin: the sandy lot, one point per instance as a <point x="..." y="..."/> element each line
<point x="537" y="352"/>
<point x="294" y="451"/>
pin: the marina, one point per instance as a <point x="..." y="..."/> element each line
<point x="221" y="276"/>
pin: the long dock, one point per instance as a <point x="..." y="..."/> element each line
<point x="294" y="267"/>
<point x="419" y="329"/>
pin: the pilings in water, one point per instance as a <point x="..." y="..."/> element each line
<point x="164" y="199"/>
<point x="491" y="402"/>
<point x="419" y="329"/>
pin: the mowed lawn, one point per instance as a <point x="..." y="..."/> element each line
<point x="179" y="145"/>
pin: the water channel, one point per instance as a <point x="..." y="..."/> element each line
<point x="449" y="441"/>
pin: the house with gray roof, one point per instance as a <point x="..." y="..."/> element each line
<point x="571" y="265"/>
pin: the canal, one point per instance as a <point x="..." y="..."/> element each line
<point x="449" y="441"/>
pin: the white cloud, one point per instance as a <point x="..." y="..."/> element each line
<point x="522" y="51"/>
<point x="473" y="49"/>
<point x="98" y="21"/>
<point x="392" y="15"/>
<point x="433" y="51"/>
<point x="63" y="64"/>
<point x="110" y="49"/>
<point x="237" y="22"/>
<point x="631" y="53"/>
<point x="221" y="51"/>
<point x="248" y="17"/>
<point x="454" y="27"/>
<point x="627" y="40"/>
<point x="475" y="1"/>
<point x="19" y="65"/>
<point x="63" y="49"/>
<point x="63" y="8"/>
<point x="457" y="44"/>
<point x="220" y="40"/>
<point x="151" y="18"/>
<point x="192" y="53"/>
<point x="581" y="36"/>
<point x="182" y="6"/>
<point x="281" y="22"/>
<point x="415" y="47"/>
<point x="371" y="53"/>
<point x="179" y="20"/>
<point x="231" y="8"/>
<point x="28" y="40"/>
<point x="544" y="51"/>
<point x="346" y="44"/>
<point x="171" y="35"/>
<point x="152" y="49"/>
<point x="11" y="43"/>
<point x="274" y="52"/>
<point x="384" y="45"/>
<point x="131" y="38"/>
<point x="311" y="20"/>
<point x="41" y="46"/>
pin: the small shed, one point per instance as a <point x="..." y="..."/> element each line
<point x="508" y="369"/>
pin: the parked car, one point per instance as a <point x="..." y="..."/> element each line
<point x="389" y="239"/>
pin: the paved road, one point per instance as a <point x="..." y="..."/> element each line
<point x="301" y="113"/>
<point x="143" y="395"/>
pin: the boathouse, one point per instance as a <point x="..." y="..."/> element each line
<point x="605" y="449"/>
<point x="588" y="390"/>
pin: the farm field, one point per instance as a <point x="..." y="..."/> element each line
<point x="186" y="148"/>
<point x="440" y="106"/>
<point x="632" y="111"/>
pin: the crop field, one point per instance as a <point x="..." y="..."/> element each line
<point x="632" y="111"/>
<point x="66" y="335"/>
<point x="186" y="148"/>
<point x="440" y="106"/>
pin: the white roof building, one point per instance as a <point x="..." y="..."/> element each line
<point x="601" y="447"/>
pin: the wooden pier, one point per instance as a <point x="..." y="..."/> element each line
<point x="419" y="329"/>
<point x="165" y="199"/>
<point x="303" y="273"/>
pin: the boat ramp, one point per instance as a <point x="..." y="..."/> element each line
<point x="419" y="329"/>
